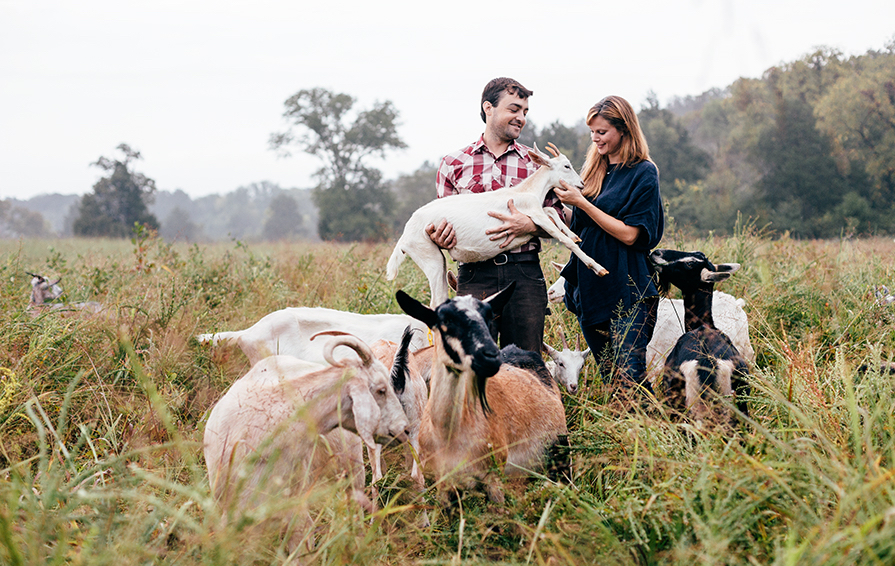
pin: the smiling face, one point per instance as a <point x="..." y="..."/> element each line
<point x="607" y="137"/>
<point x="506" y="120"/>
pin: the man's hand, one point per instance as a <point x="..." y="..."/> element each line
<point x="515" y="224"/>
<point x="442" y="234"/>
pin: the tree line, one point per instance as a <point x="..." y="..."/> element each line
<point x="807" y="149"/>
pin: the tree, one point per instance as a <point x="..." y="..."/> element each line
<point x="17" y="221"/>
<point x="411" y="192"/>
<point x="676" y="156"/>
<point x="179" y="225"/>
<point x="118" y="201"/>
<point x="353" y="203"/>
<point x="858" y="115"/>
<point x="284" y="221"/>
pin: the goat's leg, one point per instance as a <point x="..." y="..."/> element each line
<point x="557" y="221"/>
<point x="432" y="262"/>
<point x="543" y="221"/>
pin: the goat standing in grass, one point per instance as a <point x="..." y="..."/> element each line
<point x="262" y="438"/>
<point x="704" y="357"/>
<point x="468" y="213"/>
<point x="289" y="331"/>
<point x="482" y="418"/>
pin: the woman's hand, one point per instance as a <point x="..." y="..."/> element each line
<point x="567" y="194"/>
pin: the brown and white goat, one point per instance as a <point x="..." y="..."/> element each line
<point x="482" y="418"/>
<point x="262" y="439"/>
<point x="704" y="358"/>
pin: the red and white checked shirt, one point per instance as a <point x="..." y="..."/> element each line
<point x="474" y="169"/>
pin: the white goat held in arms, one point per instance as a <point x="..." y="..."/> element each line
<point x="468" y="213"/>
<point x="262" y="437"/>
<point x="704" y="358"/>
<point x="483" y="414"/>
<point x="288" y="331"/>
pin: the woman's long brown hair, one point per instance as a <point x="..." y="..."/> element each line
<point x="634" y="149"/>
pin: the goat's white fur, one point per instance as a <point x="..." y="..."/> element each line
<point x="264" y="431"/>
<point x="288" y="331"/>
<point x="730" y="318"/>
<point x="565" y="365"/>
<point x="468" y="213"/>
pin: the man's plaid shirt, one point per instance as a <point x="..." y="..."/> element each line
<point x="474" y="169"/>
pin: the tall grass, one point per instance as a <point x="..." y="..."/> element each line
<point x="101" y="421"/>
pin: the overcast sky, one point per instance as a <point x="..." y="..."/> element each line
<point x="198" y="86"/>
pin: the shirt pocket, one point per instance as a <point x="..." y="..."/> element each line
<point x="470" y="184"/>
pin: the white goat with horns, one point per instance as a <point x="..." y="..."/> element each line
<point x="468" y="213"/>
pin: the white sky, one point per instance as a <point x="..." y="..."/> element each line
<point x="198" y="86"/>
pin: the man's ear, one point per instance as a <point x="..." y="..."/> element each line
<point x="487" y="107"/>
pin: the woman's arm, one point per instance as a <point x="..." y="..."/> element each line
<point x="611" y="225"/>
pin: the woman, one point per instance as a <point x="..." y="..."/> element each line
<point x="619" y="217"/>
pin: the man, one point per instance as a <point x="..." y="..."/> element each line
<point x="495" y="161"/>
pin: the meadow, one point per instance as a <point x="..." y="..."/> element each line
<point x="101" y="419"/>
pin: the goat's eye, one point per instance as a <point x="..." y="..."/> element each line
<point x="380" y="391"/>
<point x="568" y="166"/>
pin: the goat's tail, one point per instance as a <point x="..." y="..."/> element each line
<point x="217" y="338"/>
<point x="394" y="262"/>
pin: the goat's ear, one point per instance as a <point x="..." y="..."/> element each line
<point x="416" y="309"/>
<point x="557" y="266"/>
<point x="365" y="410"/>
<point x="550" y="351"/>
<point x="499" y="299"/>
<point x="539" y="158"/>
<point x="720" y="275"/>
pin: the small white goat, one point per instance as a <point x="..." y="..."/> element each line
<point x="468" y="213"/>
<point x="288" y="331"/>
<point x="565" y="365"/>
<point x="482" y="414"/>
<point x="704" y="358"/>
<point x="43" y="291"/>
<point x="261" y="438"/>
<point x="406" y="375"/>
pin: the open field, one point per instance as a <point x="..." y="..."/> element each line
<point x="101" y="420"/>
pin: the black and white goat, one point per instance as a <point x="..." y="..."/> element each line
<point x="483" y="417"/>
<point x="704" y="357"/>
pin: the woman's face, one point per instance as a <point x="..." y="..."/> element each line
<point x="607" y="137"/>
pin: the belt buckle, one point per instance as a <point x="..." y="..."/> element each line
<point x="505" y="257"/>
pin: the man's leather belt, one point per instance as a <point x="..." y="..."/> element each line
<point x="503" y="259"/>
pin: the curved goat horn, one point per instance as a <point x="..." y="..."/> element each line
<point x="553" y="149"/>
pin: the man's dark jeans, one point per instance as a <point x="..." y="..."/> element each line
<point x="630" y="334"/>
<point x="522" y="320"/>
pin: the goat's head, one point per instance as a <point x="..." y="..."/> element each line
<point x="567" y="362"/>
<point x="557" y="292"/>
<point x="689" y="271"/>
<point x="461" y="329"/>
<point x="43" y="290"/>
<point x="559" y="166"/>
<point x="375" y="408"/>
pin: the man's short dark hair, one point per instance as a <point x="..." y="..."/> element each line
<point x="495" y="89"/>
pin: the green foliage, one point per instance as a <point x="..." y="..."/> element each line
<point x="677" y="158"/>
<point x="101" y="420"/>
<point x="118" y="201"/>
<point x="17" y="221"/>
<point x="352" y="201"/>
<point x="411" y="191"/>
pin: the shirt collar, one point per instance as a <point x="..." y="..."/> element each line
<point x="480" y="147"/>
